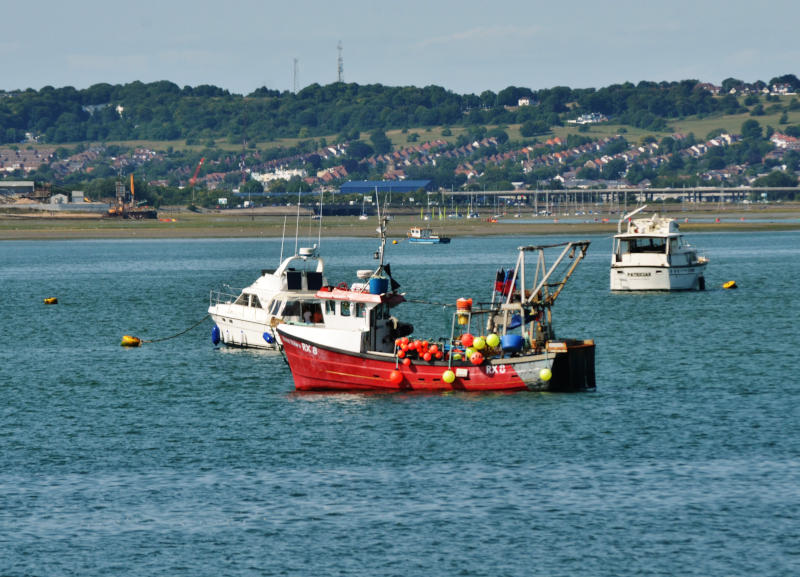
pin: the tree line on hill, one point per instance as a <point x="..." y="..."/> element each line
<point x="162" y="111"/>
<point x="358" y="116"/>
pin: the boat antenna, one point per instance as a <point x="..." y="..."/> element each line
<point x="297" y="224"/>
<point x="381" y="230"/>
<point x="319" y="233"/>
<point x="283" y="237"/>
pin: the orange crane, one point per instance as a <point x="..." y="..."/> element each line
<point x="193" y="180"/>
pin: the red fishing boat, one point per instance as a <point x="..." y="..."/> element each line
<point x="361" y="346"/>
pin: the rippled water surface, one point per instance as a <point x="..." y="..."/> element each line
<point x="181" y="459"/>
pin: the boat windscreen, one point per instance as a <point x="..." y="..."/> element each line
<point x="645" y="244"/>
<point x="294" y="280"/>
<point x="314" y="280"/>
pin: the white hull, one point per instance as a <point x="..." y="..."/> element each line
<point x="244" y="327"/>
<point x="657" y="278"/>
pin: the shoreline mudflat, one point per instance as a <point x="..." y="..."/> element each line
<point x="240" y="225"/>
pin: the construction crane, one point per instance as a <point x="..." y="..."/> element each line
<point x="193" y="180"/>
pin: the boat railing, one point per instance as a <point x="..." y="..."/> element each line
<point x="218" y="297"/>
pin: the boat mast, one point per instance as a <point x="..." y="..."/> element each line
<point x="381" y="230"/>
<point x="283" y="237"/>
<point x="319" y="232"/>
<point x="297" y="224"/>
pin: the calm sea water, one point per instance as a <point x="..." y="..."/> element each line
<point x="181" y="459"/>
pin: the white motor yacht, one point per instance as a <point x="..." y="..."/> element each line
<point x="653" y="255"/>
<point x="287" y="293"/>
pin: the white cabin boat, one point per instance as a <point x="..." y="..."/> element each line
<point x="285" y="294"/>
<point x="653" y="255"/>
<point x="418" y="235"/>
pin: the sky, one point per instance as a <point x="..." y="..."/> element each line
<point x="466" y="47"/>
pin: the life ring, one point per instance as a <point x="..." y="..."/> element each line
<point x="342" y="286"/>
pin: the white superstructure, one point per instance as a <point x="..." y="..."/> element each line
<point x="653" y="255"/>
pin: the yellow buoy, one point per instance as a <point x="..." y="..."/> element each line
<point x="51" y="301"/>
<point x="545" y="375"/>
<point x="448" y="376"/>
<point x="394" y="242"/>
<point x="493" y="340"/>
<point x="129" y="341"/>
<point x="731" y="284"/>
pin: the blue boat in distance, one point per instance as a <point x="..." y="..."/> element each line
<point x="417" y="235"/>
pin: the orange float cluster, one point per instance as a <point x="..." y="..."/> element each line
<point x="407" y="349"/>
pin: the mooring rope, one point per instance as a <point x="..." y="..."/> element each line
<point x="194" y="326"/>
<point x="443" y="305"/>
<point x="422" y="302"/>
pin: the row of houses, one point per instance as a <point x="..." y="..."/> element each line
<point x="27" y="159"/>
<point x="773" y="90"/>
<point x="785" y="142"/>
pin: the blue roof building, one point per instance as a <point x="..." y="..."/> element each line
<point x="369" y="186"/>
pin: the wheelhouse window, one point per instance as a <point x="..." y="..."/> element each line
<point x="344" y="309"/>
<point x="330" y="307"/>
<point x="382" y="311"/>
<point x="636" y="245"/>
<point x="361" y="309"/>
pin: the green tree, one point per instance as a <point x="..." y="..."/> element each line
<point x="751" y="129"/>
<point x="380" y="142"/>
<point x="251" y="185"/>
<point x="533" y="128"/>
<point x="776" y="178"/>
<point x="613" y="169"/>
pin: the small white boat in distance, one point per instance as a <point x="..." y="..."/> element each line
<point x="417" y="235"/>
<point x="652" y="255"/>
<point x="286" y="294"/>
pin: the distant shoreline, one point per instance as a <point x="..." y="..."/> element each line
<point x="228" y="224"/>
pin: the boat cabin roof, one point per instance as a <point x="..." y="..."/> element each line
<point x="359" y="296"/>
<point x="654" y="226"/>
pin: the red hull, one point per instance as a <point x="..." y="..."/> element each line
<point x="315" y="368"/>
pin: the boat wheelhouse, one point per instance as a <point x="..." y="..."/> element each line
<point x="652" y="254"/>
